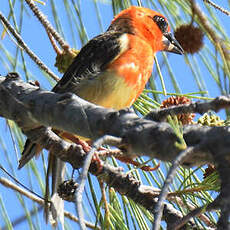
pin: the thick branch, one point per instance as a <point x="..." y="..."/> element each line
<point x="31" y="107"/>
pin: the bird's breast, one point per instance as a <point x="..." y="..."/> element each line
<point x="108" y="90"/>
<point x="135" y="65"/>
<point x="124" y="78"/>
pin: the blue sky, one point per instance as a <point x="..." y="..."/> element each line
<point x="37" y="39"/>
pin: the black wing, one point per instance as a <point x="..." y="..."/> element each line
<point x="91" y="61"/>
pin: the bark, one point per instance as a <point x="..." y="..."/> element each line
<point x="36" y="110"/>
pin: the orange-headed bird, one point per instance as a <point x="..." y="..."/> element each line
<point x="113" y="68"/>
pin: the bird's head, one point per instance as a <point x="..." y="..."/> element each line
<point x="149" y="25"/>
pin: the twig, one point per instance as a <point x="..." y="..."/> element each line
<point x="49" y="28"/>
<point x="18" y="182"/>
<point x="97" y="144"/>
<point x="205" y="23"/>
<point x="218" y="7"/>
<point x="186" y="218"/>
<point x="216" y="104"/>
<point x="105" y="203"/>
<point x="159" y="206"/>
<point x="196" y="212"/>
<point x="176" y="199"/>
<point x="24" y="192"/>
<point x="53" y="43"/>
<point x="7" y="183"/>
<point x="23" y="45"/>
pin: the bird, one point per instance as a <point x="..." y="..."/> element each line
<point x="112" y="69"/>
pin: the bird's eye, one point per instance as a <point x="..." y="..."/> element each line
<point x="161" y="22"/>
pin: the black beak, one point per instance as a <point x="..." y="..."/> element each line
<point x="171" y="44"/>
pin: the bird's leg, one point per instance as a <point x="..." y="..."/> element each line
<point x="73" y="138"/>
<point x="126" y="159"/>
<point x="129" y="160"/>
<point x="102" y="151"/>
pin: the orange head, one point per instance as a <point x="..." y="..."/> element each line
<point x="149" y="25"/>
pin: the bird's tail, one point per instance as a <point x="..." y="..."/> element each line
<point x="56" y="167"/>
<point x="30" y="150"/>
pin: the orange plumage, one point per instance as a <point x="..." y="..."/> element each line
<point x="134" y="66"/>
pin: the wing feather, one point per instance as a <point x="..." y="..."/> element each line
<point x="91" y="61"/>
